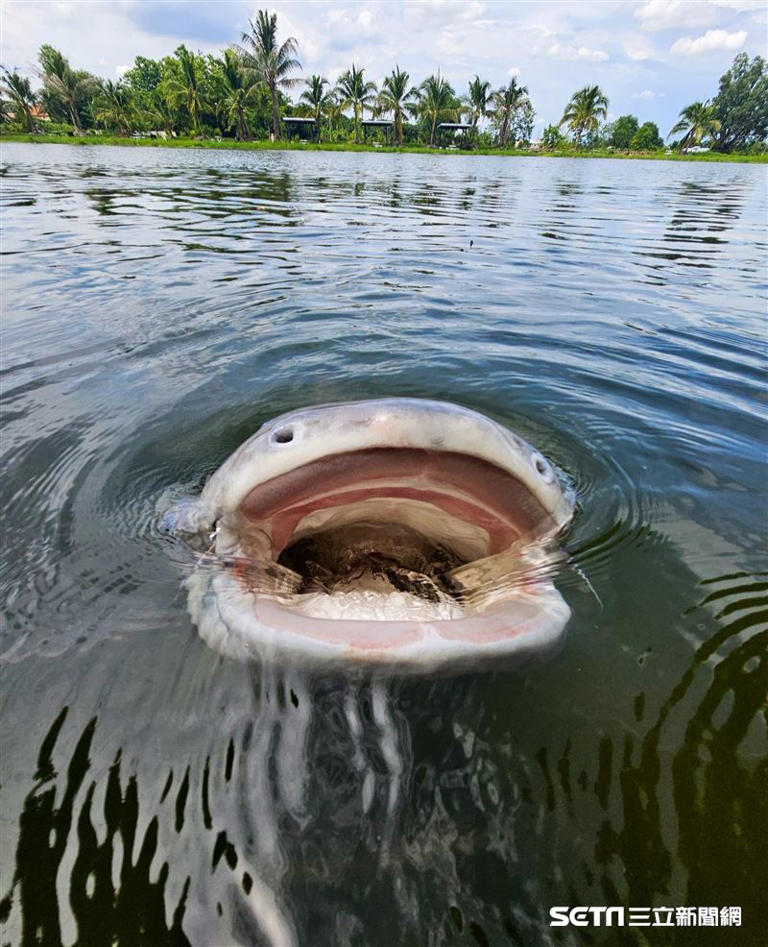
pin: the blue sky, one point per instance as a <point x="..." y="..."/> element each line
<point x="650" y="57"/>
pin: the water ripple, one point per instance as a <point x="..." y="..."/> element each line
<point x="158" y="307"/>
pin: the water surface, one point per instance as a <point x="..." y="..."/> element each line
<point x="158" y="305"/>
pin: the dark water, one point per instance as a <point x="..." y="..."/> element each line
<point x="157" y="307"/>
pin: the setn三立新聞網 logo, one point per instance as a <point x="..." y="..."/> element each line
<point x="618" y="916"/>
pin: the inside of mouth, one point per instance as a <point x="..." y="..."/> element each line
<point x="387" y="533"/>
<point x="374" y="556"/>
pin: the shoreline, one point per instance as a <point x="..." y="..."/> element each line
<point x="263" y="145"/>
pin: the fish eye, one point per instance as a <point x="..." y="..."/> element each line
<point x="283" y="435"/>
<point x="542" y="468"/>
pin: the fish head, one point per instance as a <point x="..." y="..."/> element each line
<point x="402" y="534"/>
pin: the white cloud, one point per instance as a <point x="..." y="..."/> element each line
<point x="360" y="24"/>
<point x="740" y="6"/>
<point x="94" y="36"/>
<point x="451" y="43"/>
<point x="668" y="14"/>
<point x="647" y="94"/>
<point x="597" y="55"/>
<point x="120" y="71"/>
<point x="713" y="41"/>
<point x="566" y="51"/>
<point x="333" y="74"/>
<point x="514" y="72"/>
<point x="442" y="12"/>
<point x="638" y="49"/>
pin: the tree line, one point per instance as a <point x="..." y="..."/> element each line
<point x="243" y="94"/>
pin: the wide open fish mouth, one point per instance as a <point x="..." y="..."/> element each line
<point x="397" y="556"/>
<point x="458" y="487"/>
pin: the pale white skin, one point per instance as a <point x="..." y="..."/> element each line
<point x="391" y="632"/>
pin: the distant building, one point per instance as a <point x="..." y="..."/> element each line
<point x="451" y="129"/>
<point x="303" y="128"/>
<point x="377" y="124"/>
<point x="36" y="111"/>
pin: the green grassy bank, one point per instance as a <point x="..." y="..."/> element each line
<point x="230" y="144"/>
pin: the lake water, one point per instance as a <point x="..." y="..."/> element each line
<point x="158" y="305"/>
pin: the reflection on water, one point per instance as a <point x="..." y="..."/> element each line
<point x="337" y="807"/>
<point x="110" y="897"/>
<point x="158" y="306"/>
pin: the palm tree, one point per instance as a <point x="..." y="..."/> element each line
<point x="394" y="98"/>
<point x="23" y="98"/>
<point x="698" y="121"/>
<point x="356" y="92"/>
<point x="437" y="101"/>
<point x="583" y="112"/>
<point x="271" y="62"/>
<point x="63" y="82"/>
<point x="161" y="112"/>
<point x="186" y="90"/>
<point x="335" y="109"/>
<point x="317" y="99"/>
<point x="477" y="100"/>
<point x="113" y="106"/>
<point x="507" y="100"/>
<point x="240" y="90"/>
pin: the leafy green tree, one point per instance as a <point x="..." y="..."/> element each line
<point x="622" y="130"/>
<point x="144" y="75"/>
<point x="184" y="86"/>
<point x="273" y="63"/>
<point x="64" y="84"/>
<point x="239" y="90"/>
<point x="396" y="97"/>
<point x="506" y="102"/>
<point x="161" y="112"/>
<point x="336" y="117"/>
<point x="552" y="137"/>
<point x="23" y="99"/>
<point x="356" y="93"/>
<point x="437" y="102"/>
<point x="317" y="99"/>
<point x="698" y="122"/>
<point x="477" y="99"/>
<point x="646" y="138"/>
<point x="219" y="95"/>
<point x="584" y="111"/>
<point x="142" y="80"/>
<point x="741" y="104"/>
<point x="113" y="106"/>
<point x="521" y="124"/>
